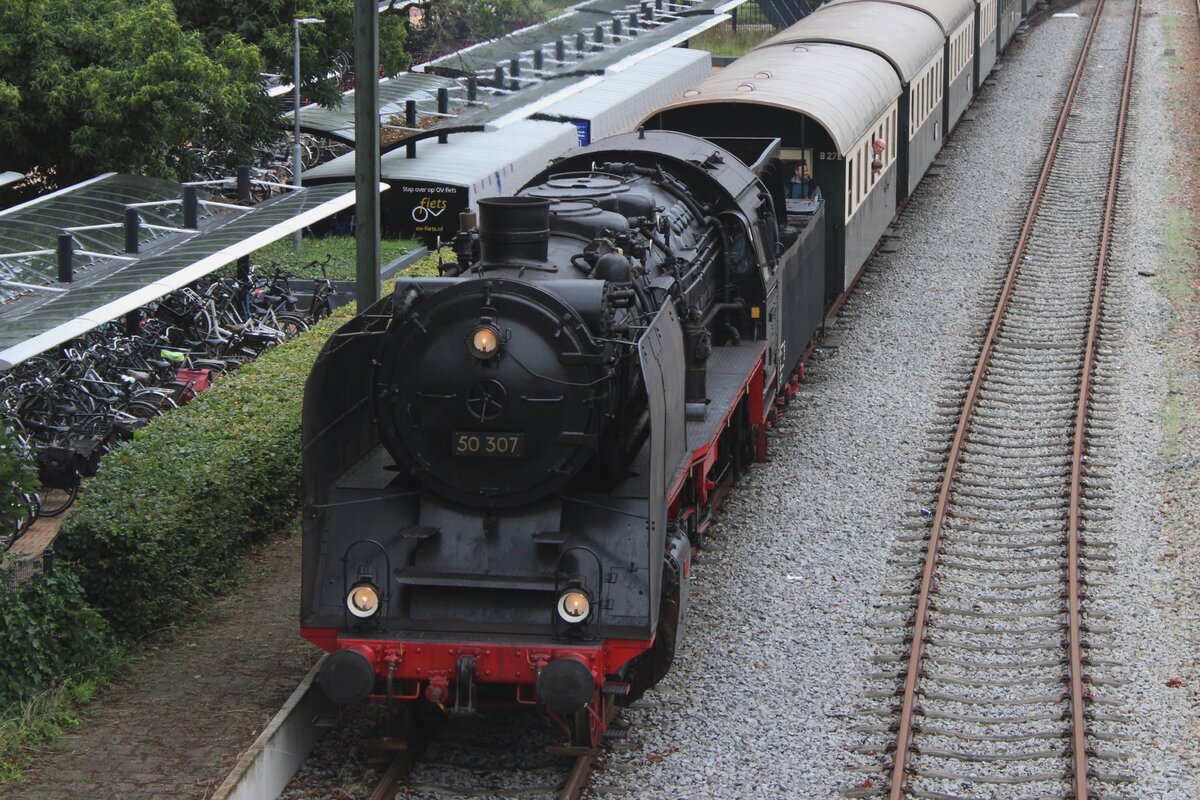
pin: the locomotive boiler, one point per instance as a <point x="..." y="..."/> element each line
<point x="507" y="466"/>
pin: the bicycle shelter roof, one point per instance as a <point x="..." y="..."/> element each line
<point x="534" y="88"/>
<point x="110" y="283"/>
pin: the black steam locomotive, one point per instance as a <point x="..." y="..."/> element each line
<point x="507" y="467"/>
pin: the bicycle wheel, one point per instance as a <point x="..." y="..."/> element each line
<point x="140" y="411"/>
<point x="291" y="324"/>
<point x="56" y="501"/>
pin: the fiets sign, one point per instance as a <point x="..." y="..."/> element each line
<point x="427" y="211"/>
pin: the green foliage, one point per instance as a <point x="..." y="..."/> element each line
<point x="164" y="523"/>
<point x="159" y="529"/>
<point x="47" y="630"/>
<point x="723" y="40"/>
<point x="267" y="24"/>
<point x="120" y="85"/>
<point x="16" y="475"/>
<point x="43" y="715"/>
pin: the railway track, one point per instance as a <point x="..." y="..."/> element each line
<point x="996" y="691"/>
<point x="508" y="754"/>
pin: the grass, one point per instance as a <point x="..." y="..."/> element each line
<point x="1179" y="269"/>
<point x="723" y="40"/>
<point x="45" y="716"/>
<point x="1178" y="282"/>
<point x="341" y="248"/>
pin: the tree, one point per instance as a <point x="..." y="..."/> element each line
<point x="120" y="85"/>
<point x="268" y="25"/>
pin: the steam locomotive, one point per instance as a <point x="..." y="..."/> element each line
<point x="507" y="467"/>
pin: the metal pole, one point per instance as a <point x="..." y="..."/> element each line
<point x="133" y="221"/>
<point x="296" y="165"/>
<point x="66" y="257"/>
<point x="366" y="148"/>
<point x="243" y="184"/>
<point x="410" y="122"/>
<point x="191" y="207"/>
<point x="443" y="108"/>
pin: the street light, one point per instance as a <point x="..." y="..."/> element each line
<point x="296" y="167"/>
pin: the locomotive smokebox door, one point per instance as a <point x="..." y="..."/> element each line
<point x="486" y="390"/>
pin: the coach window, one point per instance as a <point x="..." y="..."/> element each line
<point x="849" y="186"/>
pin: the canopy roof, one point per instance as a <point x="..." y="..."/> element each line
<point x="111" y="284"/>
<point x="466" y="158"/>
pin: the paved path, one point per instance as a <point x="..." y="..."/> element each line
<point x="175" y="723"/>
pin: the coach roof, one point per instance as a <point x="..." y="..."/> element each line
<point x="906" y="37"/>
<point x="845" y="89"/>
<point x="948" y="13"/>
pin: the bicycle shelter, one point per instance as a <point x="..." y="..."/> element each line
<point x="91" y="253"/>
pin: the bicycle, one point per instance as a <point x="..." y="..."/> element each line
<point x="321" y="304"/>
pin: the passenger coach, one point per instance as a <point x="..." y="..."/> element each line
<point x="912" y="43"/>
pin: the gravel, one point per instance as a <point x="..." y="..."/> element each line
<point x="764" y="697"/>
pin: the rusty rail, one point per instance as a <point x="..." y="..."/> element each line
<point x="904" y="735"/>
<point x="577" y="781"/>
<point x="1074" y="590"/>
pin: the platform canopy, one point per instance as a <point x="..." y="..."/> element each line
<point x="530" y="89"/>
<point x="37" y="312"/>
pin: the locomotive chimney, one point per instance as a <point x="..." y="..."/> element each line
<point x="514" y="229"/>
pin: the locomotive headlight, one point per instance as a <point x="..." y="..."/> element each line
<point x="574" y="606"/>
<point x="363" y="600"/>
<point x="484" y="342"/>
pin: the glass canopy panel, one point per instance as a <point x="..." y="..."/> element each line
<point x="40" y="320"/>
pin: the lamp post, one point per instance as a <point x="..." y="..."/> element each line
<point x="296" y="165"/>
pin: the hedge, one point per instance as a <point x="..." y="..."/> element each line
<point x="47" y="631"/>
<point x="164" y="523"/>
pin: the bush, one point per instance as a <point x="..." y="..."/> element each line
<point x="47" y="631"/>
<point x="16" y="475"/>
<point x="165" y="521"/>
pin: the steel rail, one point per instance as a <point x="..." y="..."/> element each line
<point x="395" y="775"/>
<point x="581" y="772"/>
<point x="1074" y="523"/>
<point x="904" y="732"/>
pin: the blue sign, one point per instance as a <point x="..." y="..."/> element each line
<point x="584" y="128"/>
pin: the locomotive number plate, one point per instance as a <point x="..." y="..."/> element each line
<point x="485" y="445"/>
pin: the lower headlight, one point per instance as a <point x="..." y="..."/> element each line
<point x="363" y="600"/>
<point x="574" y="606"/>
